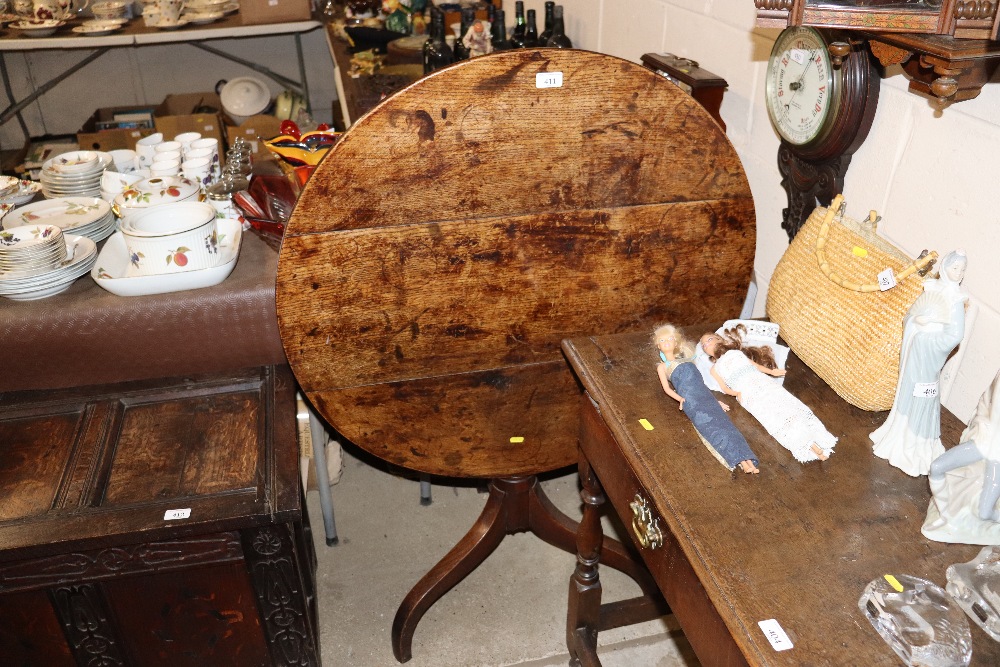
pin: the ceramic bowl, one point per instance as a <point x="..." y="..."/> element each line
<point x="171" y="238"/>
<point x="244" y="97"/>
<point x="116" y="182"/>
<point x="76" y="162"/>
<point x="109" y="9"/>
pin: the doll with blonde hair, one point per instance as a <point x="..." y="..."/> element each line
<point x="682" y="381"/>
<point x="743" y="371"/>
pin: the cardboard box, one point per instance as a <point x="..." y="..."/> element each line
<point x="275" y="11"/>
<point x="255" y="130"/>
<point x="91" y="138"/>
<point x="173" y="115"/>
<point x="177" y="114"/>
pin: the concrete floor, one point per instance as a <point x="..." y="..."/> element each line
<point x="510" y="611"/>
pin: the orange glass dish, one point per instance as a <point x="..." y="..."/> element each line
<point x="308" y="149"/>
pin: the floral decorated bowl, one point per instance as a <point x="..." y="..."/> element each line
<point x="171" y="238"/>
<point x="152" y="192"/>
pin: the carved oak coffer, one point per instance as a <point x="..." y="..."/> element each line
<point x="155" y="523"/>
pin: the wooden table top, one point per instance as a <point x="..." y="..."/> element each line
<point x="466" y="225"/>
<point x="797" y="543"/>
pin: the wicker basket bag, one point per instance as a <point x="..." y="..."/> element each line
<point x="826" y="296"/>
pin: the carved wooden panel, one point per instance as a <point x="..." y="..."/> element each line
<point x="466" y="225"/>
<point x="86" y="621"/>
<point x="119" y="561"/>
<point x="271" y="562"/>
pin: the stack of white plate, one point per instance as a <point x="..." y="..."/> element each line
<point x="83" y="216"/>
<point x="77" y="173"/>
<point x="37" y="261"/>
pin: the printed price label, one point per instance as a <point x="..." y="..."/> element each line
<point x="925" y="390"/>
<point x="645" y="424"/>
<point x="886" y="280"/>
<point x="171" y="515"/>
<point x="548" y="80"/>
<point x="772" y="630"/>
<point x="799" y="55"/>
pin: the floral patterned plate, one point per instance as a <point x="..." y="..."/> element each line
<point x="112" y="265"/>
<point x="64" y="212"/>
<point x="26" y="192"/>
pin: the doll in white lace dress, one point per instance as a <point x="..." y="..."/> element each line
<point x="746" y="372"/>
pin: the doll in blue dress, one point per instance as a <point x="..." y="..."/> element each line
<point x="682" y="381"/>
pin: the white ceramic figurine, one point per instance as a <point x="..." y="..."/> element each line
<point x="910" y="438"/>
<point x="965" y="480"/>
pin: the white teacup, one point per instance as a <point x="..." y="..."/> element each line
<point x="206" y="142"/>
<point x="165" y="168"/>
<point x="145" y="148"/>
<point x="113" y="181"/>
<point x="163" y="156"/>
<point x="169" y="10"/>
<point x="124" y="159"/>
<point x="185" y="139"/>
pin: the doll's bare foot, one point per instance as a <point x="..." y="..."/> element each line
<point x="820" y="454"/>
<point x="748" y="467"/>
<point x="724" y="406"/>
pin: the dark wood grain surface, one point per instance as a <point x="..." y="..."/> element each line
<point x="99" y="465"/>
<point x="796" y="543"/>
<point x="466" y="225"/>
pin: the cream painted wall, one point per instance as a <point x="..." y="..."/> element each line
<point x="932" y="175"/>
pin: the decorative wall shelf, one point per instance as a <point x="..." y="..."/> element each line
<point x="967" y="19"/>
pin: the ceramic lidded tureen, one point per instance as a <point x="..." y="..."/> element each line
<point x="154" y="192"/>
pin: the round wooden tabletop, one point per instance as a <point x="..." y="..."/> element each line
<point x="466" y="225"/>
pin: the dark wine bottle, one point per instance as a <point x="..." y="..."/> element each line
<point x="531" y="31"/>
<point x="468" y="17"/>
<point x="543" y="39"/>
<point x="437" y="53"/>
<point x="517" y="35"/>
<point x="498" y="31"/>
<point x="559" y="39"/>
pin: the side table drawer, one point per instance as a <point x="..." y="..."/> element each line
<point x="666" y="560"/>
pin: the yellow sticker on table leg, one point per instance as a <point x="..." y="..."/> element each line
<point x="646" y="425"/>
<point x="517" y="438"/>
<point x="894" y="583"/>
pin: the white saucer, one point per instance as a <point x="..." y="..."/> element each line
<point x="112" y="265"/>
<point x="37" y="29"/>
<point x="97" y="28"/>
<point x="203" y="17"/>
<point x="169" y="26"/>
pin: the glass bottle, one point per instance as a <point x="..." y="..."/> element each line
<point x="517" y="35"/>
<point x="499" y="31"/>
<point x="559" y="39"/>
<point x="543" y="39"/>
<point x="531" y="31"/>
<point x="437" y="53"/>
<point x="468" y="17"/>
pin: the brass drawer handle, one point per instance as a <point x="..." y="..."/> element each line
<point x="645" y="526"/>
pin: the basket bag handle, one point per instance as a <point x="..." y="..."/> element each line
<point x="921" y="264"/>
